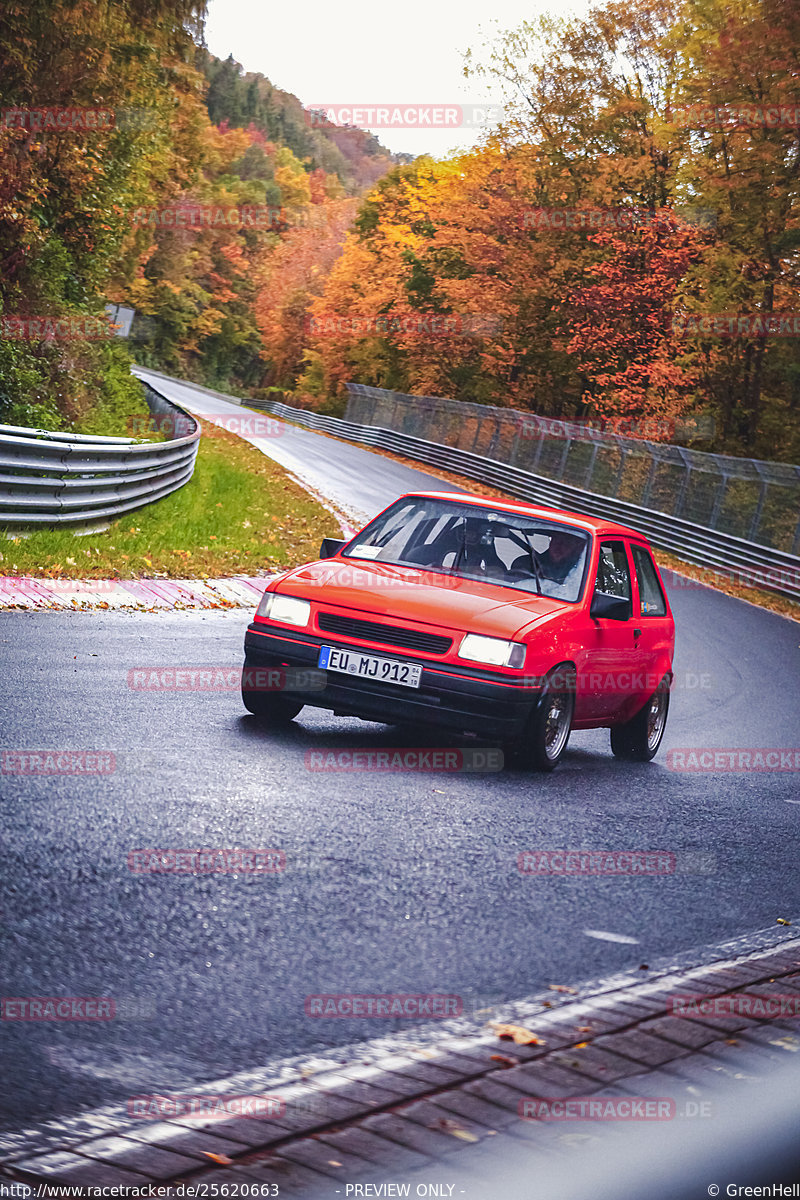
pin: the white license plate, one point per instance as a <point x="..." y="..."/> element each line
<point x="369" y="666"/>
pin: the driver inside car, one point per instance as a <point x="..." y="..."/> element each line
<point x="562" y="561"/>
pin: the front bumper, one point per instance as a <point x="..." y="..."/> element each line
<point x="460" y="699"/>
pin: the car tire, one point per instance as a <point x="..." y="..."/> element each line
<point x="270" y="710"/>
<point x="638" y="740"/>
<point x="547" y="732"/>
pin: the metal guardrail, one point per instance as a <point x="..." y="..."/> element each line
<point x="49" y="478"/>
<point x="760" y="566"/>
<point x="748" y="498"/>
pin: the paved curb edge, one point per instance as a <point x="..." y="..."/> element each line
<point x="353" y="1081"/>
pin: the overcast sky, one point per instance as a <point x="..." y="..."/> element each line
<point x="369" y="53"/>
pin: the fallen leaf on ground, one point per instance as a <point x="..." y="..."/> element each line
<point x="560" y="987"/>
<point x="516" y="1033"/>
<point x="452" y="1127"/>
<point x="222" y="1159"/>
<point x="577" y="1139"/>
<point x="504" y="1059"/>
<point x="787" y="1043"/>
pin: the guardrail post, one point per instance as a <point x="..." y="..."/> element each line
<point x="538" y="453"/>
<point x="753" y="530"/>
<point x="648" y="487"/>
<point x="512" y="458"/>
<point x="590" y="469"/>
<point x="564" y="456"/>
<point x="682" y="490"/>
<point x="622" y="461"/>
<point x="715" y="511"/>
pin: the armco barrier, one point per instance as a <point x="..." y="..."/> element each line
<point x="748" y="498"/>
<point x="51" y="478"/>
<point x="692" y="542"/>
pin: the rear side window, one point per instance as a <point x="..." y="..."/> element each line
<point x="613" y="577"/>
<point x="651" y="597"/>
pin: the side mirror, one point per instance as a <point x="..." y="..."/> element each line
<point x="612" y="608"/>
<point x="330" y="546"/>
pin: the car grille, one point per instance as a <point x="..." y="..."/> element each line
<point x="389" y="635"/>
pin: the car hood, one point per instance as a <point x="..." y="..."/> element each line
<point x="407" y="593"/>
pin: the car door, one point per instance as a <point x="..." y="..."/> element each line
<point x="611" y="645"/>
<point x="652" y="623"/>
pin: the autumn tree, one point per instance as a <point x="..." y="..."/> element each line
<point x="622" y="324"/>
<point x="65" y="193"/>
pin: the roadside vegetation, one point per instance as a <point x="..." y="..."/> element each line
<point x="240" y="514"/>
<point x="622" y="246"/>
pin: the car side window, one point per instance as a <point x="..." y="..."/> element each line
<point x="613" y="576"/>
<point x="651" y="597"/>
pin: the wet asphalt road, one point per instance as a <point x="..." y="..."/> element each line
<point x="404" y="882"/>
<point x="357" y="481"/>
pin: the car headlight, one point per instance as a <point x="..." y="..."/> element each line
<point x="285" y="609"/>
<point x="494" y="651"/>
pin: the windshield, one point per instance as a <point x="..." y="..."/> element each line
<point x="510" y="549"/>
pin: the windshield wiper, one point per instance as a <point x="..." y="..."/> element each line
<point x="537" y="570"/>
<point x="462" y="550"/>
<point x="525" y="544"/>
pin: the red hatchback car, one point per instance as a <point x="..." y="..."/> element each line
<point x="496" y="618"/>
